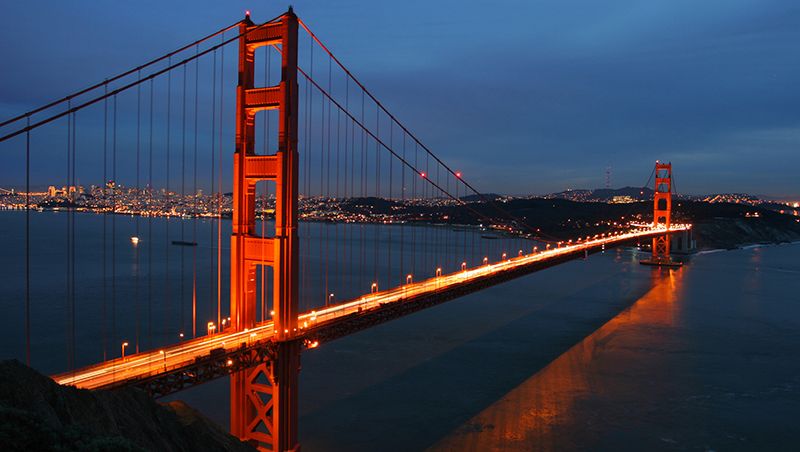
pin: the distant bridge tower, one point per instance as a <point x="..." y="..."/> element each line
<point x="662" y="215"/>
<point x="264" y="398"/>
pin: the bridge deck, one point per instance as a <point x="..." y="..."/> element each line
<point x="204" y="358"/>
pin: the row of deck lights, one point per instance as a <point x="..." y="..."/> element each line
<point x="409" y="278"/>
<point x="212" y="327"/>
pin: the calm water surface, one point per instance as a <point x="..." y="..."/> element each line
<point x="602" y="354"/>
<point x="596" y="354"/>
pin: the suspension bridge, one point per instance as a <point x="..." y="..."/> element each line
<point x="319" y="227"/>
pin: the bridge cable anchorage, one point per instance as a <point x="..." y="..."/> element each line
<point x="394" y="119"/>
<point x="129" y="85"/>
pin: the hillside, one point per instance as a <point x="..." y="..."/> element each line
<point x="38" y="414"/>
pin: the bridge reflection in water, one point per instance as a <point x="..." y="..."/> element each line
<point x="545" y="411"/>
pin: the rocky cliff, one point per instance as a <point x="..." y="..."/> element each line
<point x="38" y="414"/>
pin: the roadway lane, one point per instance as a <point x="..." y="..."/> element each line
<point x="145" y="364"/>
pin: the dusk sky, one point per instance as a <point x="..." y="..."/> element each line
<point x="523" y="97"/>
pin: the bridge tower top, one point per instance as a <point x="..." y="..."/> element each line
<point x="662" y="198"/>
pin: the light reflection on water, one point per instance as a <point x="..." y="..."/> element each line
<point x="529" y="416"/>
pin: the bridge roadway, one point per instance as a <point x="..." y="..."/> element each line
<point x="322" y="324"/>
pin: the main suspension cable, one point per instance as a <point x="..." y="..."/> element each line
<point x="382" y="144"/>
<point x="116" y="77"/>
<point x="134" y="83"/>
<point x="424" y="147"/>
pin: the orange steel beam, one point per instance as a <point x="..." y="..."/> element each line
<point x="264" y="398"/>
<point x="662" y="210"/>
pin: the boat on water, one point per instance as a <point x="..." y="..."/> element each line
<point x="184" y="243"/>
<point x="489" y="237"/>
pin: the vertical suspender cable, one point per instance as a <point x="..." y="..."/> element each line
<point x="414" y="204"/>
<point x="309" y="132"/>
<point x="168" y="194"/>
<point x="150" y="224"/>
<point x="182" y="203"/>
<point x="194" y="194"/>
<point x="377" y="191"/>
<point x="68" y="304"/>
<point x="28" y="244"/>
<point x="351" y="150"/>
<point x="389" y="229"/>
<point x="71" y="217"/>
<point x="211" y="279"/>
<point x="321" y="155"/>
<point x="337" y="259"/>
<point x="114" y="226"/>
<point x="138" y="197"/>
<point x="348" y="260"/>
<point x="219" y="181"/>
<point x="307" y="295"/>
<point x="363" y="180"/>
<point x="103" y="190"/>
<point x="402" y="220"/>
<point x="307" y="193"/>
<point x="328" y="190"/>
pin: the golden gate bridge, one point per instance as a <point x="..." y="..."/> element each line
<point x="316" y="157"/>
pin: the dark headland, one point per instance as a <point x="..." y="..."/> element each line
<point x="36" y="414"/>
<point x="716" y="225"/>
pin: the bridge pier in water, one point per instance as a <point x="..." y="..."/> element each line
<point x="662" y="217"/>
<point x="264" y="398"/>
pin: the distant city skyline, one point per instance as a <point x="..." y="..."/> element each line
<point x="574" y="194"/>
<point x="553" y="97"/>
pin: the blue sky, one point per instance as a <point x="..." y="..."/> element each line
<point x="522" y="96"/>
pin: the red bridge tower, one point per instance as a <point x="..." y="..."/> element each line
<point x="662" y="216"/>
<point x="264" y="398"/>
